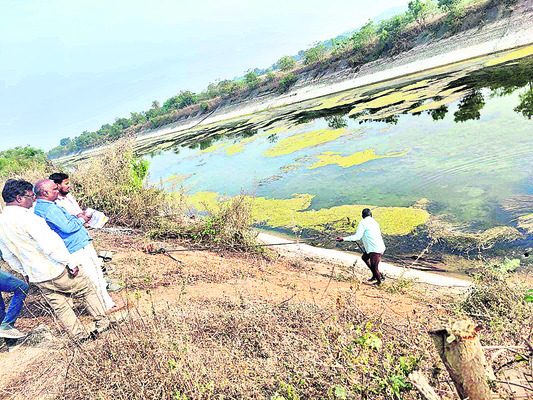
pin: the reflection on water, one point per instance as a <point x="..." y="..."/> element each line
<point x="461" y="139"/>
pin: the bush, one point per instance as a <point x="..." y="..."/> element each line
<point x="227" y="226"/>
<point x="114" y="184"/>
<point x="286" y="83"/>
<point x="286" y="63"/>
<point x="498" y="303"/>
<point x="19" y="160"/>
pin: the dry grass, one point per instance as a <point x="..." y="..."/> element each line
<point x="217" y="349"/>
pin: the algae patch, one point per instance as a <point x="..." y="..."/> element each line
<point x="305" y="140"/>
<point x="513" y="55"/>
<point x="331" y="157"/>
<point x="293" y="213"/>
<point x="526" y="222"/>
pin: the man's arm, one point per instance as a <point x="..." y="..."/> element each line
<point x="358" y="233"/>
<point x="49" y="241"/>
<point x="63" y="221"/>
<point x="11" y="259"/>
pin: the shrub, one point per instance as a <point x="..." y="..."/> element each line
<point x="114" y="184"/>
<point x="499" y="304"/>
<point x="286" y="83"/>
<point x="286" y="63"/>
<point x="19" y="160"/>
<point x="228" y="227"/>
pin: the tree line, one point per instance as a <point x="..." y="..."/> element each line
<point x="371" y="41"/>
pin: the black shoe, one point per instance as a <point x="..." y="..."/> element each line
<point x="372" y="279"/>
<point x="382" y="276"/>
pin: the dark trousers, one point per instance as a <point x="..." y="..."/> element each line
<point x="372" y="261"/>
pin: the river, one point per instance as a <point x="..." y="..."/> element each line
<point x="455" y="143"/>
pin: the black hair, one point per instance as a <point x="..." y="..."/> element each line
<point x="14" y="188"/>
<point x="366" y="213"/>
<point x="58" y="177"/>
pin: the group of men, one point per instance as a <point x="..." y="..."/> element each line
<point x="43" y="237"/>
<point x="48" y="244"/>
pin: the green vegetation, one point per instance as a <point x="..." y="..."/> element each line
<point x="293" y="213"/>
<point x="19" y="160"/>
<point x="286" y="63"/>
<point x="372" y="41"/>
<point x="286" y="83"/>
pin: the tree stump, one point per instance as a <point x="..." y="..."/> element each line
<point x="3" y="346"/>
<point x="460" y="350"/>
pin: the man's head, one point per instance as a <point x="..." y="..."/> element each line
<point x="366" y="213"/>
<point x="46" y="189"/>
<point x="18" y="192"/>
<point x="63" y="184"/>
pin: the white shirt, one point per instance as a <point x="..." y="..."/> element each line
<point x="30" y="247"/>
<point x="368" y="230"/>
<point x="69" y="203"/>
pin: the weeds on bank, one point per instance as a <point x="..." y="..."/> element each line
<point x="115" y="184"/>
<point x="218" y="349"/>
<point x="500" y="305"/>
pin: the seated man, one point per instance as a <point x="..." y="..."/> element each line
<point x="10" y="284"/>
<point x="31" y="248"/>
<point x="75" y="236"/>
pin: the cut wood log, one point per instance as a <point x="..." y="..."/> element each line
<point x="421" y="383"/>
<point x="460" y="350"/>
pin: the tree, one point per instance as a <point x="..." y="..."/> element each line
<point x="469" y="107"/>
<point x="64" y="141"/>
<point x="315" y="54"/>
<point x="526" y="104"/>
<point x="447" y="4"/>
<point x="286" y="63"/>
<point x="182" y="100"/>
<point x="420" y="10"/>
<point x="364" y="36"/>
<point x="251" y="79"/>
<point x="439" y="113"/>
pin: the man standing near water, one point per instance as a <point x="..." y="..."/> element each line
<point x="368" y="230"/>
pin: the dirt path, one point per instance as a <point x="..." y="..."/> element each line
<point x="347" y="260"/>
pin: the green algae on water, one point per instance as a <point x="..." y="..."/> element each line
<point x="294" y="213"/>
<point x="305" y="140"/>
<point x="331" y="157"/>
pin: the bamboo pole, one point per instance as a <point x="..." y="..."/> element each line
<point x="460" y="349"/>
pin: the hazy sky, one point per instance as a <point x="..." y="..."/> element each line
<point x="67" y="66"/>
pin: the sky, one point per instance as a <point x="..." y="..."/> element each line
<point x="67" y="66"/>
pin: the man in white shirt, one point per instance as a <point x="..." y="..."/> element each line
<point x="368" y="230"/>
<point x="65" y="198"/>
<point x="31" y="248"/>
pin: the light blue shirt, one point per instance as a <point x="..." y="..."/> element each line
<point x="368" y="230"/>
<point x="68" y="227"/>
